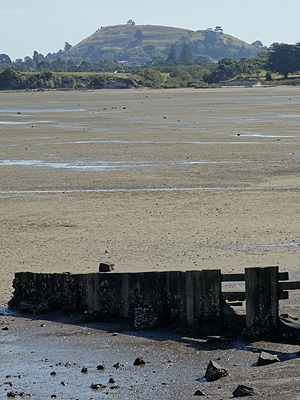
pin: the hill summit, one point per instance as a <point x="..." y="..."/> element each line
<point x="141" y="44"/>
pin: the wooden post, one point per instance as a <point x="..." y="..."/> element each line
<point x="211" y="295"/>
<point x="262" y="297"/>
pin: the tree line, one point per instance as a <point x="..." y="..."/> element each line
<point x="176" y="70"/>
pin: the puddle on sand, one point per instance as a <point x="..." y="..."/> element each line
<point x="23" y="122"/>
<point x="245" y="246"/>
<point x="257" y="134"/>
<point x="67" y="191"/>
<point x="119" y="165"/>
<point x="38" y="110"/>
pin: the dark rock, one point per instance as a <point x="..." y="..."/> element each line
<point x="64" y="383"/>
<point x="266" y="359"/>
<point x="53" y="373"/>
<point x="118" y="365"/>
<point x="68" y="364"/>
<point x="242" y="391"/>
<point x="198" y="393"/>
<point x="12" y="394"/>
<point x="106" y="267"/>
<point x="84" y="370"/>
<point x="139" y="361"/>
<point x="214" y="371"/>
<point x="111" y="380"/>
<point x="100" y="367"/>
<point x="97" y="386"/>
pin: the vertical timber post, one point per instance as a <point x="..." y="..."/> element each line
<point x="262" y="298"/>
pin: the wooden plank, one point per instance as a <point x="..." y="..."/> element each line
<point x="293" y="285"/>
<point x="232" y="277"/>
<point x="282" y="276"/>
<point x="234" y="296"/>
<point x="211" y="290"/>
<point x="269" y="307"/>
<point x="283" y="295"/>
<point x="252" y="295"/>
<point x="189" y="283"/>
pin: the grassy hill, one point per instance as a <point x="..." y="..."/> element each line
<point x="142" y="43"/>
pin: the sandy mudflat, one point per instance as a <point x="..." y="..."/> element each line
<point x="150" y="180"/>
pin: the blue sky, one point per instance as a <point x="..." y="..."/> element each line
<point x="45" y="26"/>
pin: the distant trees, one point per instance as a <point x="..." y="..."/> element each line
<point x="5" y="60"/>
<point x="172" y="58"/>
<point x="130" y="22"/>
<point x="44" y="65"/>
<point x="219" y="29"/>
<point x="284" y="58"/>
<point x="67" y="47"/>
<point x="186" y="56"/>
<point x="226" y="69"/>
<point x="258" y="44"/>
<point x="139" y="35"/>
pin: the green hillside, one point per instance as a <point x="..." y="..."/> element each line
<point x="142" y="43"/>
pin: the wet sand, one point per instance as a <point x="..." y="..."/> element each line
<point x="149" y="180"/>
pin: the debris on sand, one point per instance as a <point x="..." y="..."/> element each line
<point x="97" y="386"/>
<point x="139" y="361"/>
<point x="214" y="371"/>
<point x="242" y="391"/>
<point x="266" y="359"/>
<point x="118" y="365"/>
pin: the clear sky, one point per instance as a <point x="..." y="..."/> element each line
<point x="45" y="26"/>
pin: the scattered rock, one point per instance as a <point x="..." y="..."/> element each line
<point x="5" y="328"/>
<point x="68" y="364"/>
<point x="106" y="267"/>
<point x="64" y="383"/>
<point x="198" y="393"/>
<point x="84" y="370"/>
<point x="266" y="359"/>
<point x="242" y="391"/>
<point x="53" y="373"/>
<point x="115" y="387"/>
<point x="100" y="367"/>
<point x="214" y="371"/>
<point x="139" y="361"/>
<point x="97" y="386"/>
<point x="12" y="394"/>
<point x="118" y="365"/>
<point x="111" y="380"/>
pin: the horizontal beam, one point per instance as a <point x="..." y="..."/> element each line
<point x="234" y="296"/>
<point x="241" y="296"/>
<point x="282" y="276"/>
<point x="293" y="285"/>
<point x="233" y="277"/>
